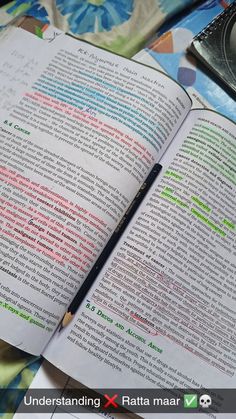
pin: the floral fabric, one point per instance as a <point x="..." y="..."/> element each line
<point x="96" y="15"/>
<point x="122" y="26"/>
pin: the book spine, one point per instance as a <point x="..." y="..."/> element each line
<point x="215" y="23"/>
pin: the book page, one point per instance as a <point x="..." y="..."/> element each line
<point x="198" y="101"/>
<point x="80" y="130"/>
<point x="162" y="312"/>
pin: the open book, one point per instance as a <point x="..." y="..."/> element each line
<point x="80" y="130"/>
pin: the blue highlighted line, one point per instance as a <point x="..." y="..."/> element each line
<point x="60" y="96"/>
<point x="97" y="97"/>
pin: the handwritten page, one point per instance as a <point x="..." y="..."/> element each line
<point x="18" y="64"/>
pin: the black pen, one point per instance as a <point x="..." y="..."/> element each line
<point x="68" y="316"/>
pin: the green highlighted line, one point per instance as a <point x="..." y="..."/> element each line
<point x="21" y="314"/>
<point x="219" y="168"/>
<point x="229" y="224"/>
<point x="200" y="204"/>
<point x="169" y="190"/>
<point x="208" y="222"/>
<point x="173" y="199"/>
<point x="175" y="175"/>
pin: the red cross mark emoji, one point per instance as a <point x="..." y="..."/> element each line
<point x="111" y="400"/>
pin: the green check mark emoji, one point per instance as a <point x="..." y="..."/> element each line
<point x="190" y="401"/>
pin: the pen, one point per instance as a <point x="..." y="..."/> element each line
<point x="68" y="316"/>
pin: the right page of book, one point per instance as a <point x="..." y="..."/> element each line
<point x="162" y="312"/>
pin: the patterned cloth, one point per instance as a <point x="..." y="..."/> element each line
<point x="122" y="26"/>
<point x="17" y="370"/>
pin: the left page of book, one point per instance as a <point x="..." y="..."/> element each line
<point x="80" y="130"/>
